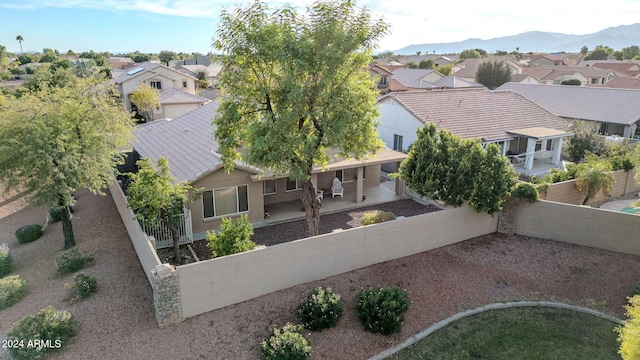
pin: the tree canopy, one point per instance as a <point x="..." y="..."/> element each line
<point x="146" y="99"/>
<point x="493" y="74"/>
<point x="155" y="196"/>
<point x="594" y="175"/>
<point x="444" y="167"/>
<point x="295" y="87"/>
<point x="57" y="140"/>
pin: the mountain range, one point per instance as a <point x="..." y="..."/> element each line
<point x="617" y="37"/>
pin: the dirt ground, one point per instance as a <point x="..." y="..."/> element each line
<point x="118" y="321"/>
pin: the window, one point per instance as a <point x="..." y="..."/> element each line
<point x="184" y="84"/>
<point x="348" y="175"/>
<point x="269" y="187"/>
<point x="397" y="142"/>
<point x="293" y="185"/>
<point x="225" y="201"/>
<point x="156" y="84"/>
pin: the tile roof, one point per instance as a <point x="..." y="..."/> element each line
<point x="145" y="66"/>
<point x="476" y="113"/>
<point x="175" y="96"/>
<point x="412" y="78"/>
<point x="618" y="106"/>
<point x="187" y="142"/>
<point x="621" y="83"/>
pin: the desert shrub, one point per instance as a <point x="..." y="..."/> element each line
<point x="84" y="286"/>
<point x="232" y="238"/>
<point x="72" y="261"/>
<point x="376" y="216"/>
<point x="382" y="310"/>
<point x="12" y="289"/>
<point x="56" y="214"/>
<point x="321" y="309"/>
<point x="286" y="343"/>
<point x="6" y="263"/>
<point x="51" y="327"/>
<point x="29" y="233"/>
<point x="525" y="191"/>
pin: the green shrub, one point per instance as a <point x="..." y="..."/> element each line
<point x="84" y="286"/>
<point x="635" y="290"/>
<point x="52" y="329"/>
<point x="322" y="309"/>
<point x="382" y="310"/>
<point x="286" y="343"/>
<point x="12" y="289"/>
<point x="72" y="261"/>
<point x="6" y="263"/>
<point x="29" y="233"/>
<point x="56" y="214"/>
<point x="525" y="191"/>
<point x="376" y="216"/>
<point x="232" y="238"/>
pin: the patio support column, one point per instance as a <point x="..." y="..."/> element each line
<point x="557" y="151"/>
<point x="399" y="184"/>
<point x="531" y="150"/>
<point x="359" y="185"/>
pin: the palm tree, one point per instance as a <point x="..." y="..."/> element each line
<point x="593" y="176"/>
<point x="20" y="40"/>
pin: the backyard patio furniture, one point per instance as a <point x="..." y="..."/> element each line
<point x="320" y="194"/>
<point x="336" y="188"/>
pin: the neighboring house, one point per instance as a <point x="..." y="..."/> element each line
<point x="211" y="72"/>
<point x="417" y="79"/>
<point x="467" y="69"/>
<point x="544" y="60"/>
<point x="198" y="60"/>
<point x="443" y="60"/>
<point x="522" y="129"/>
<point x="188" y="144"/>
<point x="615" y="112"/>
<point x="622" y="83"/>
<point x="162" y="78"/>
<point x="557" y="74"/>
<point x="118" y="62"/>
<point x="175" y="103"/>
<point x="524" y="78"/>
<point x="621" y="68"/>
<point x="383" y="75"/>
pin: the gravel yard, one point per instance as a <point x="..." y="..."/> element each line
<point x="118" y="321"/>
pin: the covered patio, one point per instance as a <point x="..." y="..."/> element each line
<point x="536" y="150"/>
<point x="291" y="210"/>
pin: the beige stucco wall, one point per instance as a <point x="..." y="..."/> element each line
<point x="213" y="284"/>
<point x="221" y="179"/>
<point x="567" y="192"/>
<point x="585" y="226"/>
<point x="144" y="248"/>
<point x="173" y="111"/>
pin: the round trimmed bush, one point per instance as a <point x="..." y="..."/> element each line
<point x="50" y="324"/>
<point x="525" y="191"/>
<point x="286" y="343"/>
<point x="6" y="263"/>
<point x="321" y="309"/>
<point x="382" y="310"/>
<point x="29" y="233"/>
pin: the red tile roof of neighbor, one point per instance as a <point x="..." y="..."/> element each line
<point x="477" y="113"/>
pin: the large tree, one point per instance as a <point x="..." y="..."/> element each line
<point x="295" y="86"/>
<point x="156" y="197"/>
<point x="441" y="166"/>
<point x="492" y="74"/>
<point x="146" y="99"/>
<point x="20" y="39"/>
<point x="61" y="139"/>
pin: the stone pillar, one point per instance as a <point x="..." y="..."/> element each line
<point x="507" y="217"/>
<point x="166" y="295"/>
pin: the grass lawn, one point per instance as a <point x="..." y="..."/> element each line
<point x="520" y="333"/>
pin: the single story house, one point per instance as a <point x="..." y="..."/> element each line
<point x="188" y="144"/>
<point x="524" y="130"/>
<point x="614" y="112"/>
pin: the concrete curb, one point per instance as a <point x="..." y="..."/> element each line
<point x="495" y="306"/>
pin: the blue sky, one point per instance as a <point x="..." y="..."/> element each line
<point x="188" y="25"/>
